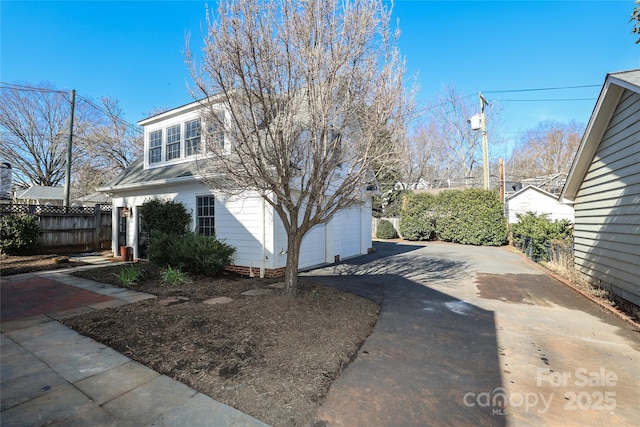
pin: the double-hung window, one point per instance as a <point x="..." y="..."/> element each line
<point x="155" y="146"/>
<point x="173" y="142"/>
<point x="205" y="215"/>
<point x="192" y="136"/>
<point x="216" y="130"/>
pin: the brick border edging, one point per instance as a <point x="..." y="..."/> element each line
<point x="613" y="310"/>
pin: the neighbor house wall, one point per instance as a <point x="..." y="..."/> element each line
<point x="607" y="206"/>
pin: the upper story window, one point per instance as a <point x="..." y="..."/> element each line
<point x="173" y="142"/>
<point x="155" y="146"/>
<point x="192" y="137"/>
<point x="216" y="131"/>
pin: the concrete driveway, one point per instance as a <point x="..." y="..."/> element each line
<point x="479" y="336"/>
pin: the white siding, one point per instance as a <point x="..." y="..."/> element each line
<point x="607" y="206"/>
<point x="532" y="200"/>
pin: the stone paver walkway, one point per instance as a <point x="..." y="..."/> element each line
<point x="51" y="375"/>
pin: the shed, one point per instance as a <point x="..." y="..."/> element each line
<point x="536" y="200"/>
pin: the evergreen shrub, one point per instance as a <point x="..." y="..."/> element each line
<point x="471" y="217"/>
<point x="535" y="232"/>
<point x="164" y="216"/>
<point x="386" y="230"/>
<point x="19" y="234"/>
<point x="416" y="217"/>
<point x="191" y="252"/>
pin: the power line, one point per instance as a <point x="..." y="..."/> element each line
<point x="546" y="100"/>
<point x="26" y="88"/>
<point x="540" y="89"/>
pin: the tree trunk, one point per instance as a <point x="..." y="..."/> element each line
<point x="291" y="272"/>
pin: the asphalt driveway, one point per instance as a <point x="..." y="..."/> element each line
<point x="479" y="336"/>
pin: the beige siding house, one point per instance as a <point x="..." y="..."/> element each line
<point x="604" y="186"/>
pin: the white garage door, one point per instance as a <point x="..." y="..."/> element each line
<point x="312" y="249"/>
<point x="349" y="236"/>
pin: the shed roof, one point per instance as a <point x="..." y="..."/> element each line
<point x="614" y="85"/>
<point x="41" y="192"/>
<point x="529" y="188"/>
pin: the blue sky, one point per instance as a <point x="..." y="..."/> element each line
<point x="133" y="51"/>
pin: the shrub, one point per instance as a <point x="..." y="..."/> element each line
<point x="470" y="217"/>
<point x="164" y="216"/>
<point x="416" y="218"/>
<point x="19" y="234"/>
<point x="534" y="232"/>
<point x="386" y="230"/>
<point x="192" y="252"/>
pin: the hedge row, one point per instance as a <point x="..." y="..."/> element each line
<point x="470" y="217"/>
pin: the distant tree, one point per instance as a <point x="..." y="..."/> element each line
<point x="109" y="147"/>
<point x="547" y="149"/>
<point x="34" y="125"/>
<point x="456" y="146"/>
<point x="314" y="100"/>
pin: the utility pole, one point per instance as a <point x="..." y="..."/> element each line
<point x="485" y="144"/>
<point x="502" y="180"/>
<point x="67" y="172"/>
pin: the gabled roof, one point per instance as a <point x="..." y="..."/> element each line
<point x="135" y="176"/>
<point x="41" y="192"/>
<point x="614" y="85"/>
<point x="531" y="188"/>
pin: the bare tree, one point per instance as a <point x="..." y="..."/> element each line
<point x="426" y="159"/>
<point x="34" y="121"/>
<point x="35" y="129"/>
<point x="448" y="114"/>
<point x="310" y="96"/>
<point x="108" y="148"/>
<point x="547" y="149"/>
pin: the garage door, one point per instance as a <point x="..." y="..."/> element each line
<point x="349" y="234"/>
<point x="312" y="248"/>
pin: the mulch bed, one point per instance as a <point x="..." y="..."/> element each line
<point x="270" y="356"/>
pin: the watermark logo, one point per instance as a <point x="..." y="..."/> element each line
<point x="586" y="393"/>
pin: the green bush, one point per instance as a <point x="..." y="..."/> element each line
<point x="416" y="217"/>
<point x="19" y="234"/>
<point x="471" y="217"/>
<point x="164" y="216"/>
<point x="386" y="230"/>
<point x="534" y="232"/>
<point x="191" y="252"/>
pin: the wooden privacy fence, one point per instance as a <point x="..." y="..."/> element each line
<point x="72" y="229"/>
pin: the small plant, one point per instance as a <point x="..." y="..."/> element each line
<point x="174" y="276"/>
<point x="129" y="276"/>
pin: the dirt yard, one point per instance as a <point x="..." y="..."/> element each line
<point x="271" y="356"/>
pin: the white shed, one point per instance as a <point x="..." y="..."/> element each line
<point x="538" y="201"/>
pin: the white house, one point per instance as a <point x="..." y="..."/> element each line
<point x="169" y="170"/>
<point x="604" y="186"/>
<point x="538" y="201"/>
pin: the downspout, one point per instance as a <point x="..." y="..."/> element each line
<point x="264" y="238"/>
